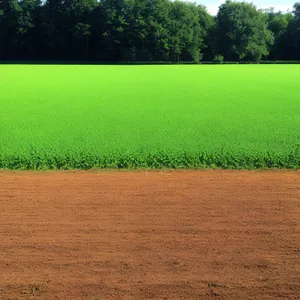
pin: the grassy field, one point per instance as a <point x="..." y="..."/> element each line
<point x="64" y="117"/>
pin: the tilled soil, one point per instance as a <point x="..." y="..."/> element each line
<point x="150" y="235"/>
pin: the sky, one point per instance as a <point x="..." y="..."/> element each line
<point x="283" y="5"/>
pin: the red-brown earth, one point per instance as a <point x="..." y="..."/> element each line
<point x="150" y="235"/>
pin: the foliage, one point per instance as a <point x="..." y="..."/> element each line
<point x="193" y="116"/>
<point x="145" y="30"/>
<point x="291" y="37"/>
<point x="160" y="160"/>
<point x="242" y="32"/>
<point x="219" y="59"/>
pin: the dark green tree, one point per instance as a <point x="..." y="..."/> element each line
<point x="144" y="30"/>
<point x="291" y="37"/>
<point x="208" y="26"/>
<point x="277" y="24"/>
<point x="10" y="28"/>
<point x="53" y="32"/>
<point x="77" y="18"/>
<point x="242" y="32"/>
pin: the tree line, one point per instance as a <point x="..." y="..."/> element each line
<point x="145" y="30"/>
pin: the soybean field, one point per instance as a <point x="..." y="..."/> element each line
<point x="159" y="116"/>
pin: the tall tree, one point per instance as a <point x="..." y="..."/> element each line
<point x="208" y="25"/>
<point x="113" y="24"/>
<point x="291" y="38"/>
<point x="77" y="16"/>
<point x="10" y="27"/>
<point x="242" y="32"/>
<point x="188" y="27"/>
<point x="52" y="34"/>
<point x="278" y="23"/>
<point x="27" y="39"/>
<point x="144" y="30"/>
<point x="148" y="21"/>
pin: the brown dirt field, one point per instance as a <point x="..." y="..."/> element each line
<point x="150" y="235"/>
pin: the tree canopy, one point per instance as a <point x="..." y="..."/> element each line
<point x="145" y="30"/>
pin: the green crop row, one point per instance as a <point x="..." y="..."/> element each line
<point x="151" y="161"/>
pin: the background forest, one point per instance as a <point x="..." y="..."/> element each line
<point x="145" y="30"/>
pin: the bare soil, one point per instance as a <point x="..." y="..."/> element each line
<point x="150" y="235"/>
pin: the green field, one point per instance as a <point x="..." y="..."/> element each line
<point x="197" y="116"/>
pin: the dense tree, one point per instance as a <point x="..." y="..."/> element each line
<point x="185" y="32"/>
<point x="113" y="26"/>
<point x="145" y="30"/>
<point x="242" y="32"/>
<point x="11" y="29"/>
<point x="291" y="37"/>
<point x="278" y="23"/>
<point x="27" y="38"/>
<point x="78" y="26"/>
<point x="208" y="25"/>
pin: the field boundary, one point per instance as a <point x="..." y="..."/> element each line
<point x="132" y="63"/>
<point x="203" y="162"/>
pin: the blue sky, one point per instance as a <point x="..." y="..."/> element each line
<point x="283" y="5"/>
